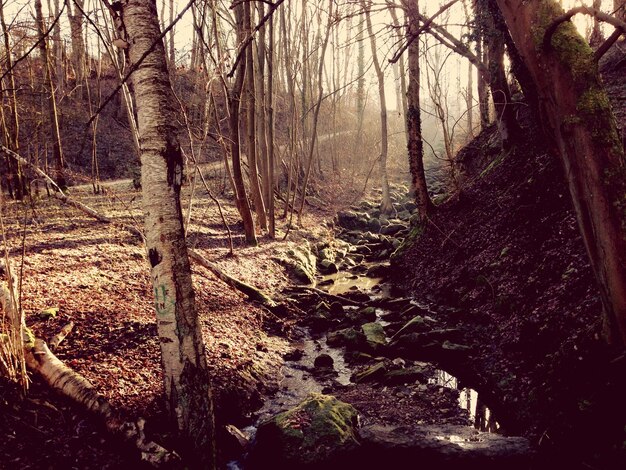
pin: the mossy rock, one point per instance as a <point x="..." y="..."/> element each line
<point x="414" y="234"/>
<point x="374" y="335"/>
<point x="415" y="324"/>
<point x="316" y="433"/>
<point x="370" y="374"/>
<point x="405" y="376"/>
<point x="302" y="263"/>
<point x="348" y="337"/>
<point x="328" y="267"/>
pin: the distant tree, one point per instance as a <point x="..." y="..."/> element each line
<point x="49" y="92"/>
<point x="577" y="115"/>
<point x="186" y="376"/>
<point x="234" y="105"/>
<point x="385" y="204"/>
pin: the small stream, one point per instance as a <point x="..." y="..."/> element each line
<point x="300" y="376"/>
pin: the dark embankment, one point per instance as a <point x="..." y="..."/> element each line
<point x="505" y="261"/>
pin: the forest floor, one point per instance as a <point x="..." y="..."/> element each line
<point x="97" y="276"/>
<point x="503" y="261"/>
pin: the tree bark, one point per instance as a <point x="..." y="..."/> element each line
<point x="251" y="122"/>
<point x="577" y="116"/>
<point x="506" y="121"/>
<point x="234" y="104"/>
<point x="413" y="116"/>
<point x="57" y="149"/>
<point x="186" y="374"/>
<point x="385" y="204"/>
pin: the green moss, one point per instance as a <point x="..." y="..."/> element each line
<point x="412" y="237"/>
<point x="28" y="337"/>
<point x="309" y="433"/>
<point x="569" y="46"/>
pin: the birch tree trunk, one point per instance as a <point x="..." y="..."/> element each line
<point x="576" y="114"/>
<point x="185" y="370"/>
<point x="413" y="116"/>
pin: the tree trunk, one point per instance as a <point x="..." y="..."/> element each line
<point x="577" y="115"/>
<point x="17" y="184"/>
<point x="385" y="204"/>
<point x="234" y="104"/>
<point x="413" y="116"/>
<point x="78" y="43"/>
<point x="251" y="124"/>
<point x="57" y="149"/>
<point x="506" y="121"/>
<point x="185" y="372"/>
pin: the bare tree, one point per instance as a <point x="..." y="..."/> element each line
<point x="413" y="115"/>
<point x="48" y="89"/>
<point x="186" y="376"/>
<point x="385" y="204"/>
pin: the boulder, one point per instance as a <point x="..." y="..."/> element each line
<point x="370" y="374"/>
<point x="302" y="262"/>
<point x="374" y="225"/>
<point x="328" y="267"/>
<point x="374" y="336"/>
<point x="364" y="315"/>
<point x="318" y="433"/>
<point x="348" y="337"/>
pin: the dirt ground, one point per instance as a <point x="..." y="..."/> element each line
<point x="98" y="277"/>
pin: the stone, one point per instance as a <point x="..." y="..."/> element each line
<point x="348" y="337"/>
<point x="324" y="361"/>
<point x="370" y="374"/>
<point x="317" y="433"/>
<point x="374" y="335"/>
<point x="404" y="215"/>
<point x="407" y="375"/>
<point x="392" y="228"/>
<point x="363" y="315"/>
<point x="328" y="267"/>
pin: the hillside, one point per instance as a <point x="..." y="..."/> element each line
<point x="505" y="262"/>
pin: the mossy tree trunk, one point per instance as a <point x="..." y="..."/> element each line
<point x="577" y="115"/>
<point x="185" y="371"/>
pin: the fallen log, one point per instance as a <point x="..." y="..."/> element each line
<point x="57" y="339"/>
<point x="253" y="293"/>
<point x="75" y="387"/>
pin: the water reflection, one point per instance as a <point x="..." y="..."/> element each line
<point x="343" y="282"/>
<point x="481" y="416"/>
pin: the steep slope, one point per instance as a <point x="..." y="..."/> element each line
<point x="505" y="262"/>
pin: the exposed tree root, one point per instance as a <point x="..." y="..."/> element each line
<point x="72" y="385"/>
